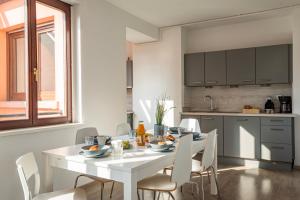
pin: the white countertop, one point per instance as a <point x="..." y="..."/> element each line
<point x="240" y="114"/>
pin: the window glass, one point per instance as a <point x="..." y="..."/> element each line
<point x="13" y="61"/>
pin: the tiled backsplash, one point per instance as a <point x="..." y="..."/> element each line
<point x="233" y="99"/>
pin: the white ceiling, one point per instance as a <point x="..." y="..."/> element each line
<point x="164" y="13"/>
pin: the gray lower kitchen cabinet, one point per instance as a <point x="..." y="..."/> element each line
<point x="241" y="66"/>
<point x="276" y="152"/>
<point x="272" y="64"/>
<point x="129" y="71"/>
<point x="276" y="134"/>
<point x="242" y="137"/>
<point x="277" y="139"/>
<point x="215" y="68"/>
<point x="209" y="123"/>
<point x="276" y="121"/>
<point x="194" y="69"/>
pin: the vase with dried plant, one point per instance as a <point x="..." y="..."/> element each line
<point x="161" y="110"/>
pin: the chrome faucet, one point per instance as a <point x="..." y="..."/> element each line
<point x="211" y="105"/>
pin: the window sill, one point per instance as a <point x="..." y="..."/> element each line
<point x="39" y="129"/>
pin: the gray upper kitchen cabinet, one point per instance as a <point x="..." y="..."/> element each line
<point x="291" y="63"/>
<point x="129" y="71"/>
<point x="242" y="137"/>
<point x="241" y="66"/>
<point x="194" y="69"/>
<point x="209" y="123"/>
<point x="272" y="64"/>
<point x="215" y="68"/>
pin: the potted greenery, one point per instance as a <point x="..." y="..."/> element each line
<point x="160" y="113"/>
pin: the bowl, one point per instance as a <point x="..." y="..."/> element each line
<point x="175" y="129"/>
<point x="99" y="151"/>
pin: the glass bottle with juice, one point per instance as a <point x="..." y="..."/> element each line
<point x="140" y="134"/>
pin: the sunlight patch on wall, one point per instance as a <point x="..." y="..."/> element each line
<point x="145" y="111"/>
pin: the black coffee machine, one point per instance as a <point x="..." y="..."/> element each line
<point x="285" y="104"/>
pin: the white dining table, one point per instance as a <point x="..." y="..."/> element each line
<point x="133" y="166"/>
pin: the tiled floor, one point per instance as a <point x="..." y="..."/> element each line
<point x="239" y="183"/>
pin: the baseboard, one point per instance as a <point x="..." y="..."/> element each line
<point x="256" y="163"/>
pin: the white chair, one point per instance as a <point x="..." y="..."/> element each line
<point x="181" y="171"/>
<point x="28" y="169"/>
<point x="123" y="129"/>
<point x="207" y="160"/>
<point x="80" y="138"/>
<point x="191" y="125"/>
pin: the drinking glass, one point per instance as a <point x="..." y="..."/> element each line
<point x="101" y="140"/>
<point x="89" y="140"/>
<point x="117" y="147"/>
<point x="132" y="133"/>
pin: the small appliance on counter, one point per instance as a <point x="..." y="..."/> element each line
<point x="269" y="106"/>
<point x="285" y="104"/>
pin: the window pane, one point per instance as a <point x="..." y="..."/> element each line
<point x="51" y="46"/>
<point x="13" y="61"/>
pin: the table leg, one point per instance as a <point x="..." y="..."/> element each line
<point x="213" y="185"/>
<point x="130" y="188"/>
<point x="48" y="181"/>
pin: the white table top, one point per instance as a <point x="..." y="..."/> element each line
<point x="131" y="160"/>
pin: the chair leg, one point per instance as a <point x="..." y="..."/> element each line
<point x="213" y="170"/>
<point x="181" y="189"/>
<point x="138" y="194"/>
<point x="158" y="195"/>
<point x="154" y="195"/>
<point x="112" y="189"/>
<point x="202" y="188"/>
<point x="171" y="195"/>
<point x="102" y="188"/>
<point x="207" y="171"/>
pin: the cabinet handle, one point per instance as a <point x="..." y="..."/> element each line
<point x="276" y="120"/>
<point x="211" y="82"/>
<point x="277" y="129"/>
<point x="197" y="82"/>
<point x="242" y="120"/>
<point x="277" y="147"/>
<point x="247" y="81"/>
<point x="208" y="118"/>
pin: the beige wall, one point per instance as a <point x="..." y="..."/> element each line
<point x="158" y="70"/>
<point x="99" y="82"/>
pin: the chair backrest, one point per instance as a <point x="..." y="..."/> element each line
<point x="209" y="151"/>
<point x="82" y="133"/>
<point x="27" y="168"/>
<point x="183" y="160"/>
<point x="190" y="124"/>
<point x="123" y="129"/>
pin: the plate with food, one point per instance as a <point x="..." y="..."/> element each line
<point x="91" y="151"/>
<point x="160" y="145"/>
<point x="167" y="149"/>
<point x="170" y="138"/>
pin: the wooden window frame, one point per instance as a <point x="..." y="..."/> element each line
<point x="32" y="106"/>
